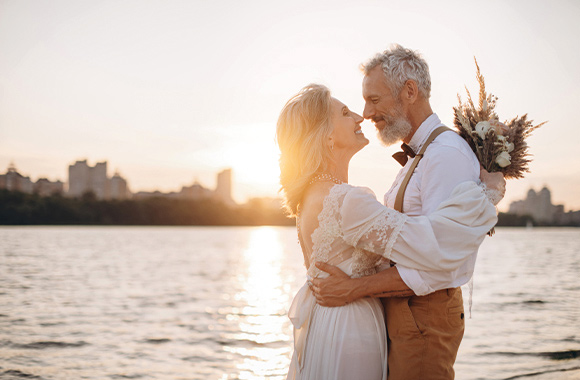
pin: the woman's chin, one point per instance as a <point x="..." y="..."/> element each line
<point x="362" y="144"/>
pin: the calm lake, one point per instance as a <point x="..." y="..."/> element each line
<point x="211" y="302"/>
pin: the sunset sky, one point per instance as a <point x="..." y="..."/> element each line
<point x="169" y="92"/>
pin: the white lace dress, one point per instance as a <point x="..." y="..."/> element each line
<point x="356" y="233"/>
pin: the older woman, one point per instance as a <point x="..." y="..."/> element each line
<point x="347" y="227"/>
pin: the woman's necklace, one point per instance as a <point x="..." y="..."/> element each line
<point x="325" y="177"/>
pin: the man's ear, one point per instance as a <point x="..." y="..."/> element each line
<point x="410" y="92"/>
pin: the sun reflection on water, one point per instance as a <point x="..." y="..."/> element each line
<point x="262" y="321"/>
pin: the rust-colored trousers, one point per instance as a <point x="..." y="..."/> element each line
<point x="424" y="333"/>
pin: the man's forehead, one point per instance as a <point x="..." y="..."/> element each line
<point x="374" y="82"/>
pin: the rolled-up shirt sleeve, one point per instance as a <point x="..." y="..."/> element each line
<point x="425" y="282"/>
<point x="412" y="278"/>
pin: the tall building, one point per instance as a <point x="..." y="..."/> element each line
<point x="14" y="181"/>
<point x="83" y="178"/>
<point x="538" y="205"/>
<point x="223" y="191"/>
<point x="118" y="188"/>
<point x="99" y="180"/>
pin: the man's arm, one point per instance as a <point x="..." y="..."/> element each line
<point x="444" y="169"/>
<point x="338" y="288"/>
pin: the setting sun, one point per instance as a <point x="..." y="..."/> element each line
<point x="254" y="164"/>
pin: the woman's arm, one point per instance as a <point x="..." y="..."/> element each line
<point x="441" y="241"/>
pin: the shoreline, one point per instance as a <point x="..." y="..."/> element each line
<point x="557" y="374"/>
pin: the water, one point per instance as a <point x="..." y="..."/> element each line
<point x="211" y="303"/>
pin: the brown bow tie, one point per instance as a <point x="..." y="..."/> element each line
<point x="403" y="157"/>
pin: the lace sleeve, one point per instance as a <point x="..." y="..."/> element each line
<point x="367" y="224"/>
<point x="493" y="195"/>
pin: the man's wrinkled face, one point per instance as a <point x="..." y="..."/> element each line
<point x="384" y="108"/>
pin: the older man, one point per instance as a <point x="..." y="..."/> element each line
<point x="424" y="309"/>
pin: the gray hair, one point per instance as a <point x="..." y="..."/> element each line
<point x="400" y="65"/>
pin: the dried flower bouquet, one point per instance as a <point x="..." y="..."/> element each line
<point x="499" y="147"/>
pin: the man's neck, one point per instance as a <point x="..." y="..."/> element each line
<point x="416" y="118"/>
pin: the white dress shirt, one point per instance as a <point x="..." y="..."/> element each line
<point x="448" y="161"/>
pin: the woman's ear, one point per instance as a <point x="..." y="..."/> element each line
<point x="331" y="143"/>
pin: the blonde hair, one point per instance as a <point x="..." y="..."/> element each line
<point x="302" y="131"/>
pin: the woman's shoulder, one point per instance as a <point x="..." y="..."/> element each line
<point x="339" y="193"/>
<point x="328" y="195"/>
<point x="361" y="190"/>
<point x="318" y="194"/>
<point x="355" y="191"/>
<point x="359" y="207"/>
<point x="359" y="200"/>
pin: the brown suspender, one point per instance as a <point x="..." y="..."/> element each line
<point x="403" y="187"/>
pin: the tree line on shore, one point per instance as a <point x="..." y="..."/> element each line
<point x="18" y="208"/>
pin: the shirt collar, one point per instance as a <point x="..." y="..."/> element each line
<point x="424" y="131"/>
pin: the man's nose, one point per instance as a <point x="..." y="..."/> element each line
<point x="368" y="112"/>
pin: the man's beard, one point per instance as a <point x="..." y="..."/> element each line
<point x="396" y="128"/>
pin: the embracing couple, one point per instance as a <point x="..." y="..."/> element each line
<point x="401" y="262"/>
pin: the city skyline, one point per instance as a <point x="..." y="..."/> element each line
<point x="535" y="203"/>
<point x="82" y="178"/>
<point x="175" y="92"/>
<point x="539" y="206"/>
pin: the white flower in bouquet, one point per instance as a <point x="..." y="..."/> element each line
<point x="482" y="128"/>
<point x="503" y="159"/>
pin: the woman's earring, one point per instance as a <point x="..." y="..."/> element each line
<point x="332" y="145"/>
